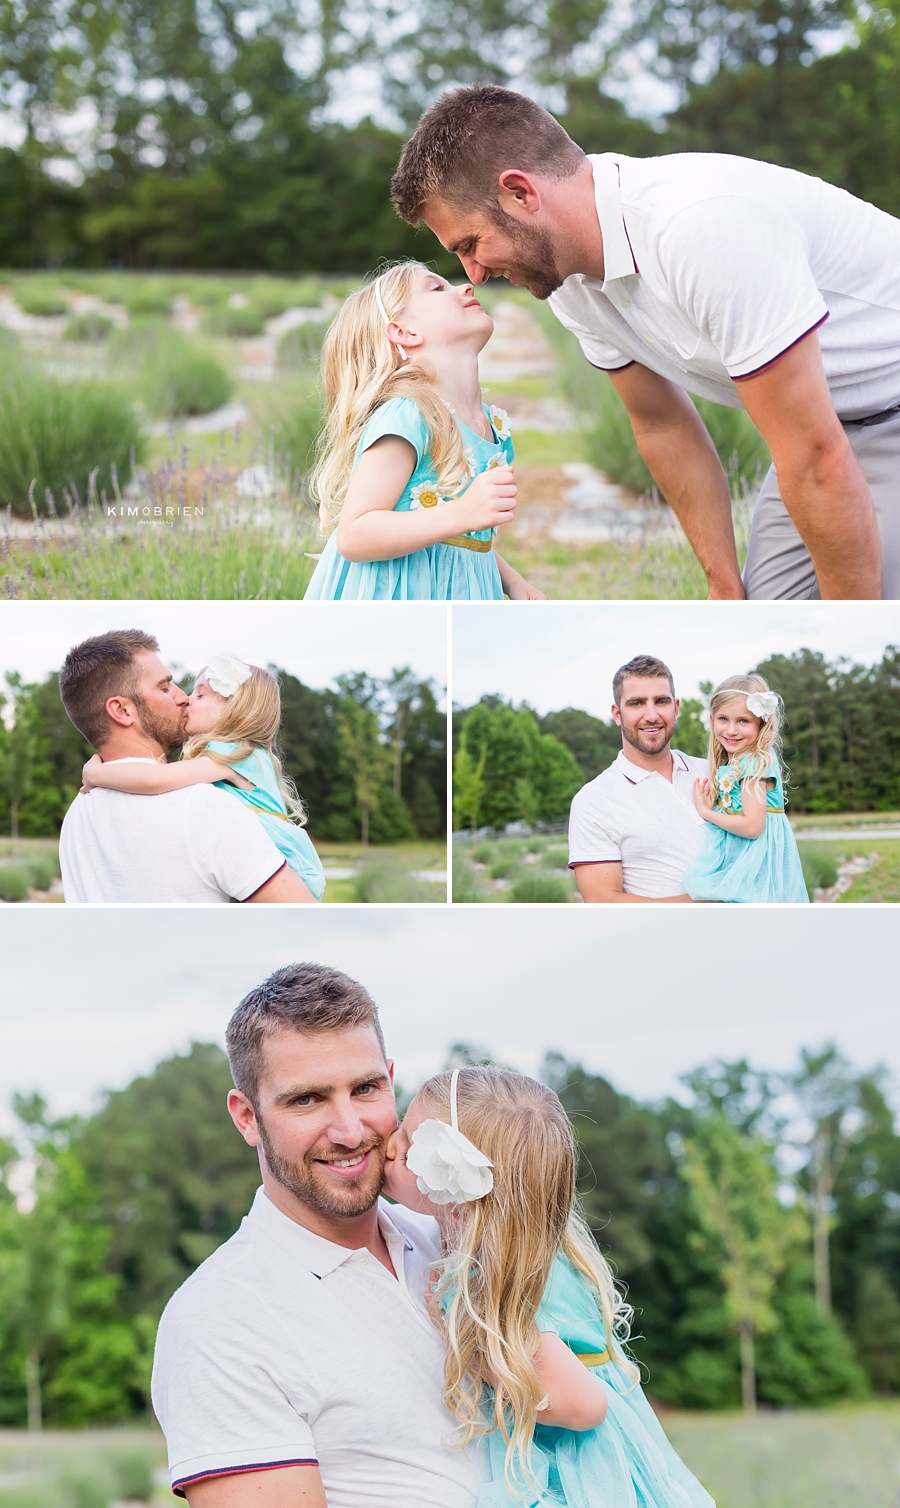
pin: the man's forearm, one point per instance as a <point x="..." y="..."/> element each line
<point x="831" y="505"/>
<point x="689" y="474"/>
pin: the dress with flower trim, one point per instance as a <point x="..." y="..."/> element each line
<point x="627" y="1461"/>
<point x="266" y="800"/>
<point x="439" y="572"/>
<point x="735" y="869"/>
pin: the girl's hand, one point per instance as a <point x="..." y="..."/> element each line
<point x="87" y="782"/>
<point x="489" y="502"/>
<point x="521" y="590"/>
<point x="704" y="800"/>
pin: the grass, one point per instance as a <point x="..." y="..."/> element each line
<point x="386" y="873"/>
<point x="796" y="1459"/>
<point x="881" y="883"/>
<point x="89" y="326"/>
<point x="59" y="435"/>
<point x="828" y="1458"/>
<point x="522" y="871"/>
<point x="25" y="865"/>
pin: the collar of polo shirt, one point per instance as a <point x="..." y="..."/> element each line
<point x="636" y="772"/>
<point x="315" y="1253"/>
<point x="618" y="258"/>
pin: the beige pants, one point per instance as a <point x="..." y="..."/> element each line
<point x="778" y="564"/>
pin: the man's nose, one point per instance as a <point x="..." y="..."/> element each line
<point x="475" y="272"/>
<point x="345" y="1127"/>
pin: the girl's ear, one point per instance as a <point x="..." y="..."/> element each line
<point x="405" y="340"/>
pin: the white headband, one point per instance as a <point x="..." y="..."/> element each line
<point x="449" y="1168"/>
<point x="376" y="288"/>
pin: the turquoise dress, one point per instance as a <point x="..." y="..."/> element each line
<point x="266" y="800"/>
<point x="731" y="868"/>
<point x="439" y="572"/>
<point x="627" y="1461"/>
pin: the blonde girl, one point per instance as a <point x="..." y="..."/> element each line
<point x="534" y="1326"/>
<point x="413" y="476"/>
<point x="750" y="853"/>
<point x="233" y="719"/>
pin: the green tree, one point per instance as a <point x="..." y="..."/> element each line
<point x="366" y="755"/>
<point x="468" y="787"/>
<point x="19" y="752"/>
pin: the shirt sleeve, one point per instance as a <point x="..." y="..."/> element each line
<point x="398" y="417"/>
<point x="227" y="845"/>
<point x="597" y="348"/>
<point x="740" y="269"/>
<point x="221" y="1408"/>
<point x="591" y="839"/>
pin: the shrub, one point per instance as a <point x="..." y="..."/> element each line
<point x="501" y="868"/>
<point x="299" y="349"/>
<point x="235" y="322"/>
<point x="172" y="374"/>
<point x="88" y="327"/>
<point x="819" y="869"/>
<point x="467" y="886"/>
<point x="41" y="873"/>
<point x="386" y="880"/>
<point x="294" y="432"/>
<point x="57" y="434"/>
<point x="133" y="1473"/>
<point x="483" y="853"/>
<point x="14" y="884"/>
<point x="539" y="889"/>
<point x="151" y="299"/>
<point x="555" y="858"/>
<point x="34" y="299"/>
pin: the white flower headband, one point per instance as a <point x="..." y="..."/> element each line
<point x="226" y="674"/>
<point x="763" y="704"/>
<point x="449" y="1169"/>
<point x="376" y="288"/>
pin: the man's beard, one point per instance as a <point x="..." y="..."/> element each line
<point x="538" y="271"/>
<point x="168" y="732"/>
<point x="638" y="740"/>
<point x="355" y="1197"/>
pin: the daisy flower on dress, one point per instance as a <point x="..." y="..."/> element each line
<point x="424" y="496"/>
<point x="469" y="458"/>
<point x="496" y="461"/>
<point x="726" y="783"/>
<point x="500" y="421"/>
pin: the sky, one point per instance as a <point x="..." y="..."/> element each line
<point x="91" y="998"/>
<point x="313" y="640"/>
<point x="565" y="654"/>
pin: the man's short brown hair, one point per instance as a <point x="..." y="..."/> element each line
<point x="468" y="138"/>
<point x="645" y="666"/>
<point x="303" y="997"/>
<point x="96" y="670"/>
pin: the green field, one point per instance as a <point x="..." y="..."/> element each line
<point x="834" y="1458"/>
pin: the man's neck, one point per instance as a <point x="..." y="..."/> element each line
<point x="573" y="203"/>
<point x="352" y="1232"/>
<point x="131" y="743"/>
<point x="661" y="763"/>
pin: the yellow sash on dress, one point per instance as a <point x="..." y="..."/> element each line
<point x="593" y="1358"/>
<point x="465" y="543"/>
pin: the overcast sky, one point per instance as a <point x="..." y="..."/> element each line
<point x="565" y="654"/>
<point x="313" y="640"/>
<point x="90" y="998"/>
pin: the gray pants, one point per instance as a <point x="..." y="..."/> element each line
<point x="778" y="564"/>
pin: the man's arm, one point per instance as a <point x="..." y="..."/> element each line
<point x="284" y="888"/>
<point x="819" y="477"/>
<point x="283" y="1487"/>
<point x="676" y="446"/>
<point x="601" y="884"/>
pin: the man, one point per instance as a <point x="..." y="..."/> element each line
<point x="634" y="831"/>
<point x="298" y="1364"/>
<point x="734" y="279"/>
<point x="193" y="846"/>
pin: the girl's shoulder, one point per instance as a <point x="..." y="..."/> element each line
<point x="750" y="765"/>
<point x="399" y="416"/>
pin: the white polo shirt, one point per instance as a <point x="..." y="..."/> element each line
<point x="715" y="266"/>
<point x="641" y="820"/>
<point x="283" y="1348"/>
<point x="195" y="847"/>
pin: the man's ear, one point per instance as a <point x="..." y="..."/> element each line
<point x="616" y="714"/>
<point x="677" y="707"/>
<point x="518" y="192"/>
<point x="389" y="1063"/>
<point x="120" y="711"/>
<point x="244" y="1117"/>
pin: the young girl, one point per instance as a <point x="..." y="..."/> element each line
<point x="750" y="852"/>
<point x="233" y="719"/>
<point x="413" y="477"/>
<point x="533" y="1324"/>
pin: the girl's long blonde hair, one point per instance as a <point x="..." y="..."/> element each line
<point x="500" y="1250"/>
<point x="251" y="719"/>
<point x="361" y="370"/>
<point x="768" y="744"/>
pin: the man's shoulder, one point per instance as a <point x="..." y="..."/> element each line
<point x="227" y="1281"/>
<point x="607" y="780"/>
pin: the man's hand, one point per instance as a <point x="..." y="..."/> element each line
<point x="676" y="446"/>
<point x="281" y="1487"/>
<point x="284" y="888"/>
<point x="601" y="885"/>
<point x="819" y="477"/>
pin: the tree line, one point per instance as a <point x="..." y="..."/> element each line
<point x="195" y="135"/>
<point x="840" y="744"/>
<point x="368" y="757"/>
<point x="754" y="1221"/>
